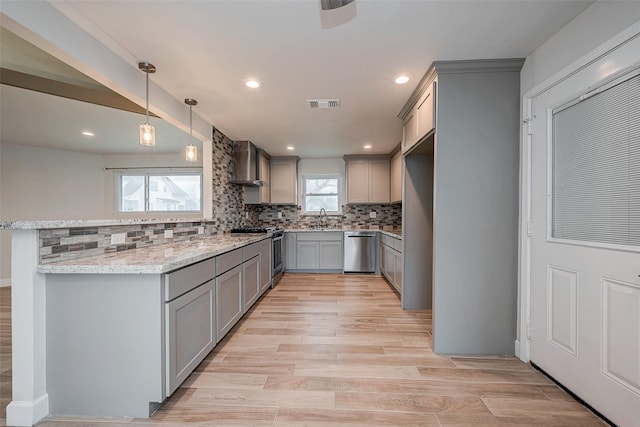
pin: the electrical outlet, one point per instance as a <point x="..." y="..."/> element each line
<point x="118" y="238"/>
<point x="168" y="234"/>
<point x="200" y="230"/>
<point x="279" y="215"/>
<point x="372" y="214"/>
<point x="246" y="215"/>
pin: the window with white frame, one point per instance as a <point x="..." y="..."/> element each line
<point x="321" y="192"/>
<point x="159" y="192"/>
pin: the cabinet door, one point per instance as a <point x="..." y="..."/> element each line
<point x="396" y="178"/>
<point x="308" y="255"/>
<point x="228" y="300"/>
<point x="265" y="265"/>
<point x="191" y="332"/>
<point x="379" y="181"/>
<point x="388" y="260"/>
<point x="330" y="255"/>
<point x="290" y="249"/>
<point x="398" y="267"/>
<point x="284" y="181"/>
<point x="358" y="181"/>
<point x="250" y="282"/>
<point x="409" y="131"/>
<point x="424" y="112"/>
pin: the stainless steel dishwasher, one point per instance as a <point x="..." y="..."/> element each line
<point x="360" y="251"/>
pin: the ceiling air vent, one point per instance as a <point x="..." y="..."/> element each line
<point x="323" y="103"/>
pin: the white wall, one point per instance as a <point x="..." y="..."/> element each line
<point x="41" y="183"/>
<point x="594" y="26"/>
<point x="321" y="166"/>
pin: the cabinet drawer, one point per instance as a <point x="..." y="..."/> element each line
<point x="227" y="261"/>
<point x="320" y="236"/>
<point x="250" y="251"/>
<point x="397" y="244"/>
<point x="387" y="240"/>
<point x="181" y="281"/>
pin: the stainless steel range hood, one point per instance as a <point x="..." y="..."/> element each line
<point x="245" y="170"/>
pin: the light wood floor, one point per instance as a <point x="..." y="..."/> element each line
<point x="334" y="350"/>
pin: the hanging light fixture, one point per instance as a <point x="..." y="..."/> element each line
<point x="147" y="132"/>
<point x="191" y="151"/>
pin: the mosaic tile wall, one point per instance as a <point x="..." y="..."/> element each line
<point x="388" y="217"/>
<point x="71" y="243"/>
<point x="228" y="212"/>
<point x="228" y="200"/>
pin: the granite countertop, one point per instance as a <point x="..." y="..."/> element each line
<point x="153" y="259"/>
<point x="71" y="223"/>
<point x="393" y="233"/>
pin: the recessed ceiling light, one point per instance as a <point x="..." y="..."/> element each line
<point x="402" y="79"/>
<point x="367" y="146"/>
<point x="253" y="84"/>
<point x="88" y="133"/>
<point x="290" y="147"/>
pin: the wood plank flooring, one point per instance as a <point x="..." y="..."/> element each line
<point x="336" y="350"/>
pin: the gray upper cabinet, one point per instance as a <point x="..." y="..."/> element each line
<point x="284" y="180"/>
<point x="396" y="178"/>
<point x="419" y="120"/>
<point x="367" y="179"/>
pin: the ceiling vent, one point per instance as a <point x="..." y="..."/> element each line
<point x="323" y="103"/>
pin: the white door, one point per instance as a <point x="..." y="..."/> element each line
<point x="585" y="297"/>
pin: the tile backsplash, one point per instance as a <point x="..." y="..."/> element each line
<point x="388" y="217"/>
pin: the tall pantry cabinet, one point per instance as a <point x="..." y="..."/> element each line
<point x="460" y="205"/>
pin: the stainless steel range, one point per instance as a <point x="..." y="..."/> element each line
<point x="277" y="267"/>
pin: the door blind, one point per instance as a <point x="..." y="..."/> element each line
<point x="596" y="167"/>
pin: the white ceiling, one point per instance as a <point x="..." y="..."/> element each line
<point x="207" y="49"/>
<point x="35" y="118"/>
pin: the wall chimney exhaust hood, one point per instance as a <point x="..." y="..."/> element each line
<point x="245" y="170"/>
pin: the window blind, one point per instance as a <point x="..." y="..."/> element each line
<point x="596" y="167"/>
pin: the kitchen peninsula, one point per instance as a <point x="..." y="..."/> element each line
<point x="116" y="333"/>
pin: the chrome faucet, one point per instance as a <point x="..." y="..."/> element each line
<point x="323" y="218"/>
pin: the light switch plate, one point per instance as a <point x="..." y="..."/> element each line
<point x="168" y="234"/>
<point x="118" y="238"/>
<point x="200" y="230"/>
<point x="372" y="214"/>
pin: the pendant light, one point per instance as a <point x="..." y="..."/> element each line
<point x="191" y="151"/>
<point x="147" y="132"/>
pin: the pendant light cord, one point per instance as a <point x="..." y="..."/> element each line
<point x="147" y="95"/>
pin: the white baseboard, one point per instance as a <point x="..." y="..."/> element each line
<point x="24" y="413"/>
<point x="5" y="282"/>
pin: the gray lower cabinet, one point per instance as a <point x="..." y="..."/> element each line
<point x="317" y="251"/>
<point x="308" y="255"/>
<point x="391" y="265"/>
<point x="330" y="255"/>
<point x="228" y="300"/>
<point x="250" y="282"/>
<point x="291" y="251"/>
<point x="266" y="262"/>
<point x="191" y="332"/>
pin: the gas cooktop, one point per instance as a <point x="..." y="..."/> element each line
<point x="255" y="229"/>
